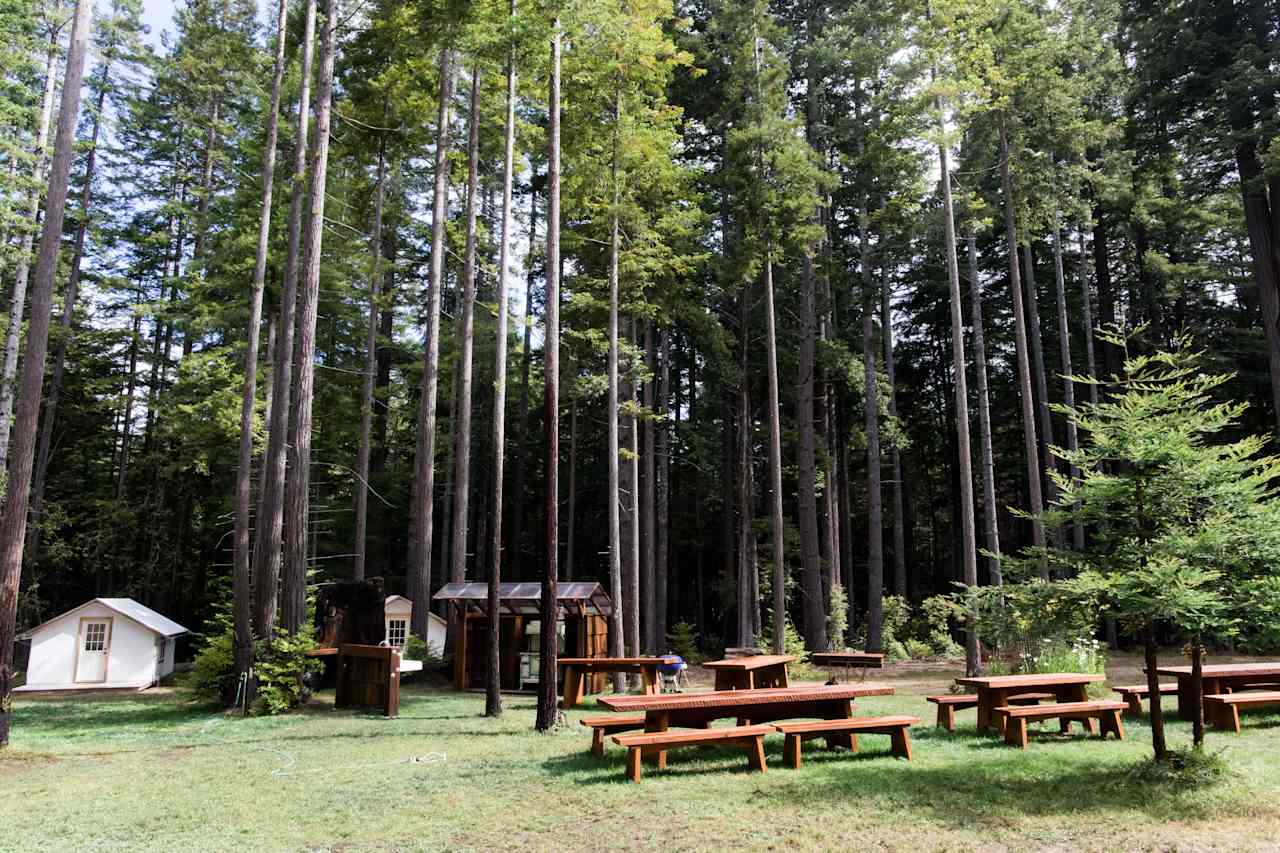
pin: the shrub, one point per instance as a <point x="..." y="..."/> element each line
<point x="682" y="640"/>
<point x="895" y="613"/>
<point x="792" y="644"/>
<point x="214" y="675"/>
<point x="918" y="649"/>
<point x="837" y="616"/>
<point x="279" y="667"/>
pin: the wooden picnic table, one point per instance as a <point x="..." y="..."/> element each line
<point x="1221" y="678"/>
<point x="751" y="673"/>
<point x="848" y="660"/>
<point x="576" y="671"/>
<point x="994" y="692"/>
<point x="748" y="707"/>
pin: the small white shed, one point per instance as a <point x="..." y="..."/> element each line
<point x="398" y="610"/>
<point x="103" y="643"/>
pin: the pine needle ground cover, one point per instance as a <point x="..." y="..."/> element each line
<point x="159" y="772"/>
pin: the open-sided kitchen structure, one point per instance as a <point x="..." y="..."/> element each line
<point x="582" y="629"/>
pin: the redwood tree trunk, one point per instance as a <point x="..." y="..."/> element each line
<point x="613" y="492"/>
<point x="969" y="557"/>
<point x="550" y="605"/>
<point x="18" y="304"/>
<point x="493" y="674"/>
<point x="662" y="493"/>
<point x="241" y="579"/>
<point x="66" y="330"/>
<point x="462" y="405"/>
<point x="425" y="468"/>
<point x="1259" y="219"/>
<point x="1041" y="376"/>
<point x="269" y="526"/>
<point x="13" y="520"/>
<point x="1068" y="387"/>
<point x="1029" y="443"/>
<point x="775" y="459"/>
<point x="815" y="627"/>
<point x="990" y="509"/>
<point x="871" y="411"/>
<point x="648" y="616"/>
<point x="297" y="487"/>
<point x="370" y="371"/>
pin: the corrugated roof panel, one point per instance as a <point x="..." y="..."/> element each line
<point x="145" y="616"/>
<point x="525" y="594"/>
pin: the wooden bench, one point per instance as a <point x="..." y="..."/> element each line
<point x="609" y="725"/>
<point x="1107" y="712"/>
<point x="1224" y="708"/>
<point x="750" y="738"/>
<point x="845" y="733"/>
<point x="1135" y="693"/>
<point x="950" y="703"/>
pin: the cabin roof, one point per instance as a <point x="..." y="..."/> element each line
<point x="584" y="597"/>
<point x="140" y="613"/>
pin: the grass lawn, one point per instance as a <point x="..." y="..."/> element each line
<point x="158" y="772"/>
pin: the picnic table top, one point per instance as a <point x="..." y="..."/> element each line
<point x="1226" y="669"/>
<point x="1038" y="679"/>
<point x="847" y="656"/>
<point x="645" y="661"/>
<point x="737" y="698"/>
<point x="752" y="662"/>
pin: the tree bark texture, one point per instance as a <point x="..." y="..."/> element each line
<point x="297" y="487"/>
<point x="871" y="413"/>
<point x="242" y="554"/>
<point x="270" y="521"/>
<point x="1030" y="445"/>
<point x="990" y="509"/>
<point x="17" y="305"/>
<point x="425" y="464"/>
<point x="13" y="520"/>
<point x="462" y="406"/>
<point x="547" y="715"/>
<point x="968" y="535"/>
<point x="493" y="674"/>
<point x="370" y="371"/>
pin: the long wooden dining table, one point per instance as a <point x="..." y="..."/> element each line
<point x="994" y="691"/>
<point x="748" y="707"/>
<point x="1221" y="678"/>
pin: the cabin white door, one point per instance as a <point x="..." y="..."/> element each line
<point x="94" y="647"/>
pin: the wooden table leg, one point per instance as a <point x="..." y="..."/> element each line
<point x="783" y="679"/>
<point x="572" y="686"/>
<point x="992" y="699"/>
<point x="649" y="676"/>
<point x="1080" y="693"/>
<point x="841" y="709"/>
<point x="984" y="712"/>
<point x="656" y="721"/>
<point x="1184" y="696"/>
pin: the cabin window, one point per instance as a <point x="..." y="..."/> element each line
<point x="396" y="632"/>
<point x="95" y="637"/>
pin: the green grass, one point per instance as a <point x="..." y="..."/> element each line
<point x="157" y="772"/>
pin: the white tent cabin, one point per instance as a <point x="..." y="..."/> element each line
<point x="106" y="643"/>
<point x="398" y="609"/>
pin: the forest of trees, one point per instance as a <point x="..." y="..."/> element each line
<point x="739" y="308"/>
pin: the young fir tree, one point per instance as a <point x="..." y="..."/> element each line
<point x="1184" y="515"/>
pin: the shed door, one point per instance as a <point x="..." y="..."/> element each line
<point x="94" y="647"/>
